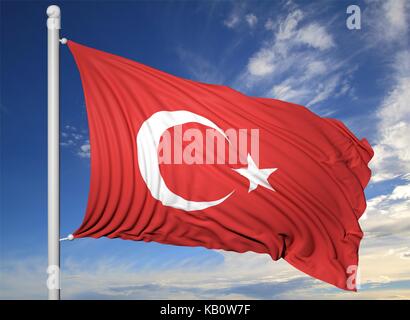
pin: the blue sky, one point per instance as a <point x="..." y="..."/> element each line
<point x="299" y="51"/>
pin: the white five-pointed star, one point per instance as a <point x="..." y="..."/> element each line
<point x="255" y="175"/>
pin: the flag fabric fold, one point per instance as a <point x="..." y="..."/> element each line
<point x="295" y="192"/>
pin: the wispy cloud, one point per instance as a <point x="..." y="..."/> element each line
<point x="387" y="22"/>
<point x="392" y="151"/>
<point x="85" y="150"/>
<point x="232" y="21"/>
<point x="200" y="68"/>
<point x="76" y="140"/>
<point x="389" y="214"/>
<point x="316" y="36"/>
<point x="296" y="63"/>
<point x="240" y="17"/>
<point x="235" y="17"/>
<point x="239" y="276"/>
<point x="251" y="19"/>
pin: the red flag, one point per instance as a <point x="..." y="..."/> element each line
<point x="194" y="164"/>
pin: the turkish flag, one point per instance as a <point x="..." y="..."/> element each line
<point x="195" y="164"/>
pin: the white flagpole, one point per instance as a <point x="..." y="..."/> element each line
<point x="53" y="27"/>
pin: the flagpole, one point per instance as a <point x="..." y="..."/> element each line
<point x="53" y="270"/>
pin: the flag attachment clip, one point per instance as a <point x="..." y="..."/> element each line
<point x="69" y="237"/>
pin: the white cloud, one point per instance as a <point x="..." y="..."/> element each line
<point x="401" y="193"/>
<point x="251" y="20"/>
<point x="67" y="143"/>
<point x="392" y="152"/>
<point x="284" y="91"/>
<point x="70" y="128"/>
<point x="232" y="21"/>
<point x="238" y="276"/>
<point x="405" y="255"/>
<point x="75" y="141"/>
<point x="269" y="25"/>
<point x="386" y="225"/>
<point x="288" y="26"/>
<point x="235" y="16"/>
<point x="85" y="150"/>
<point x="77" y="136"/>
<point x="389" y="214"/>
<point x="262" y="63"/>
<point x="315" y="68"/>
<point x="296" y="64"/>
<point x="316" y="36"/>
<point x="122" y="277"/>
<point x="387" y="21"/>
<point x="396" y="15"/>
<point x="325" y="89"/>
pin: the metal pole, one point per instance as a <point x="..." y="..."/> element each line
<point x="53" y="270"/>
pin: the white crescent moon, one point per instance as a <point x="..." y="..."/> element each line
<point x="148" y="139"/>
